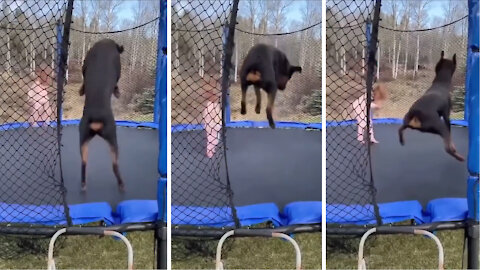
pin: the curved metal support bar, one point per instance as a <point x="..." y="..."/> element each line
<point x="361" y="260"/>
<point x="51" y="261"/>
<point x="298" y="254"/>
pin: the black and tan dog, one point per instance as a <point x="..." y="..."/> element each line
<point x="426" y="113"/>
<point x="268" y="68"/>
<point x="101" y="72"/>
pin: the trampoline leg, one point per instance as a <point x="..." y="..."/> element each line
<point x="361" y="260"/>
<point x="473" y="242"/>
<point x="161" y="236"/>
<point x="219" y="263"/>
<point x="86" y="231"/>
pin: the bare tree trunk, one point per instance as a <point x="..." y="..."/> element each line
<point x="378" y="61"/>
<point x="134" y="51"/>
<point x="416" y="57"/>
<point x="389" y="55"/>
<point x="53" y="58"/>
<point x="9" y="63"/>
<point x="201" y="69"/>
<point x="34" y="52"/>
<point x="394" y="54"/>
<point x="406" y="58"/>
<point x="363" y="61"/>
<point x="84" y="41"/>
<point x="176" y="64"/>
<point x="236" y="62"/>
<point x="342" y="63"/>
<point x="66" y="71"/>
<point x="398" y="57"/>
<point x="252" y="39"/>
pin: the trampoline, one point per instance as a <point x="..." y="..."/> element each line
<point x="274" y="176"/>
<point x="138" y="161"/>
<point x="393" y="188"/>
<point x="40" y="160"/>
<point x="256" y="178"/>
<point x="418" y="181"/>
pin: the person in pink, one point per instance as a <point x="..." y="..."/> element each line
<point x="212" y="114"/>
<point x="38" y="97"/>
<point x="359" y="111"/>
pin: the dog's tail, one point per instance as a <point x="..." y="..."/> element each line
<point x="96" y="126"/>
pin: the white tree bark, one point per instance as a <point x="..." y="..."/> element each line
<point x="363" y="61"/>
<point x="9" y="63"/>
<point x="406" y="57"/>
<point x="398" y="57"/>
<point x="236" y="62"/>
<point x="394" y="54"/>
<point x="378" y="61"/>
<point x="416" y="57"/>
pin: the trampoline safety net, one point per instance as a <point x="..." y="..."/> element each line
<point x="138" y="35"/>
<point x="32" y="188"/>
<point x="300" y="41"/>
<point x="350" y="192"/>
<point x="199" y="196"/>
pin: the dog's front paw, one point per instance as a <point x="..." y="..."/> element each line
<point x="121" y="187"/>
<point x="84" y="187"/>
<point x="272" y="124"/>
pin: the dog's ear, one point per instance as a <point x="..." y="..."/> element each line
<point x="296" y="69"/>
<point x="442" y="54"/>
<point x="120" y="48"/>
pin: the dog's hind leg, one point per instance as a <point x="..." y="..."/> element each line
<point x="243" y="109"/>
<point x="109" y="133"/>
<point x="85" y="137"/>
<point x="400" y="134"/>
<point x="439" y="127"/>
<point x="259" y="99"/>
<point x="270" y="104"/>
<point x="449" y="146"/>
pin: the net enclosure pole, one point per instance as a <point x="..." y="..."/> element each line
<point x="63" y="40"/>
<point x="59" y="52"/>
<point x="160" y="117"/>
<point x="228" y="109"/>
<point x="372" y="41"/>
<point x="228" y="44"/>
<point x="472" y="115"/>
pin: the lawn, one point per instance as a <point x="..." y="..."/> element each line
<point x="250" y="253"/>
<point x="87" y="252"/>
<point x="398" y="252"/>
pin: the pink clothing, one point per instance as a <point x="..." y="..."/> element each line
<point x="213" y="124"/>
<point x="40" y="108"/>
<point x="359" y="112"/>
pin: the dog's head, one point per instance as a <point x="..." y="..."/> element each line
<point x="446" y="65"/>
<point x="286" y="72"/>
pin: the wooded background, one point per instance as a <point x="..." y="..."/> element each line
<point x="197" y="53"/>
<point x="411" y="36"/>
<point x="28" y="35"/>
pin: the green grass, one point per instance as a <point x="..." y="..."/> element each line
<point x="88" y="252"/>
<point x="251" y="253"/>
<point x="400" y="252"/>
<point x="381" y="252"/>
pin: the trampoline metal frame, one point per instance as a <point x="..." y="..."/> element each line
<point x="471" y="225"/>
<point x="160" y="109"/>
